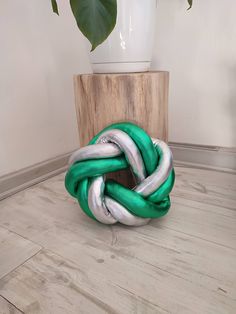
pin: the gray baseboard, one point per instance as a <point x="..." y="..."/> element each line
<point x="207" y="157"/>
<point x="188" y="155"/>
<point x="19" y="180"/>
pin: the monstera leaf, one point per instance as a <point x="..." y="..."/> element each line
<point x="190" y="2"/>
<point x="54" y="6"/>
<point x="95" y="18"/>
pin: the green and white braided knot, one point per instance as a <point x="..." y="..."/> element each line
<point x="118" y="147"/>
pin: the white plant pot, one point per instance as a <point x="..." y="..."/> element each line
<point x="129" y="46"/>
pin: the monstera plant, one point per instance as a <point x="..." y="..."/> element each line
<point x="95" y="18"/>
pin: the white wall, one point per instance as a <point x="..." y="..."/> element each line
<point x="198" y="47"/>
<point x="39" y="54"/>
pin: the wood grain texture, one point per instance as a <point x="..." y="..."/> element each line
<point x="8" y="308"/>
<point x="48" y="283"/>
<point x="102" y="99"/>
<point x="209" y="187"/>
<point x="181" y="263"/>
<point x="14" y="250"/>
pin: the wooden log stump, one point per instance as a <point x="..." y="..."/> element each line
<point x="102" y="99"/>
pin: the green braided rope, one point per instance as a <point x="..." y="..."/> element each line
<point x="77" y="179"/>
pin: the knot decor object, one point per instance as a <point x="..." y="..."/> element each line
<point x="117" y="147"/>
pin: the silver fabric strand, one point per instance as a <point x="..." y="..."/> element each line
<point x="121" y="214"/>
<point x="128" y="146"/>
<point x="96" y="151"/>
<point x="155" y="180"/>
<point x="113" y="143"/>
<point x="96" y="202"/>
<point x="107" y="210"/>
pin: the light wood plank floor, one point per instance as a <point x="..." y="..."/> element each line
<point x="54" y="259"/>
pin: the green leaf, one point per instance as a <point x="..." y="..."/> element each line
<point x="95" y="18"/>
<point x="54" y="6"/>
<point x="190" y="2"/>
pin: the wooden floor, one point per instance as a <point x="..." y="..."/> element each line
<point x="53" y="259"/>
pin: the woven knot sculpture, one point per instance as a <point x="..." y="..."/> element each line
<point x="117" y="147"/>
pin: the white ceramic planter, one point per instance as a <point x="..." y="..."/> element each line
<point x="129" y="46"/>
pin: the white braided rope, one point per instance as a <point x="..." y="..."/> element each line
<point x="113" y="143"/>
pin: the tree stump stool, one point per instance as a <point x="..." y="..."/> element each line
<point x="103" y="99"/>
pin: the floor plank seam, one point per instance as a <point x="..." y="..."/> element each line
<point x="18" y="266"/>
<point x="21" y="236"/>
<point x="208" y="189"/>
<point x="184" y="165"/>
<point x="193" y="282"/>
<point x="202" y="201"/>
<point x="161" y="269"/>
<point x="156" y="306"/>
<point x="207" y="196"/>
<point x="203" y="210"/>
<point x="12" y="304"/>
<point x="197" y="237"/>
<point x="185" y="279"/>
